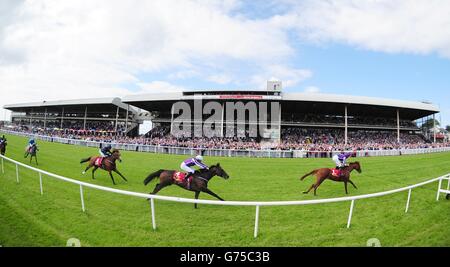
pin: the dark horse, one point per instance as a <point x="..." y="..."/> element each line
<point x="108" y="164"/>
<point x="198" y="184"/>
<point x="3" y="148"/>
<point x="326" y="173"/>
<point x="32" y="151"/>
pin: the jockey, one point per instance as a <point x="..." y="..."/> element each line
<point x="196" y="161"/>
<point x="2" y="139"/>
<point x="341" y="159"/>
<point x="31" y="143"/>
<point x="106" y="151"/>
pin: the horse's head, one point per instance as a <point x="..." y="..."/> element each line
<point x="116" y="155"/>
<point x="356" y="166"/>
<point x="219" y="171"/>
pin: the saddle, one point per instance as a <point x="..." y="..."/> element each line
<point x="99" y="162"/>
<point x="180" y="178"/>
<point x="336" y="173"/>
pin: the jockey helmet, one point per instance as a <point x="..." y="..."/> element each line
<point x="199" y="157"/>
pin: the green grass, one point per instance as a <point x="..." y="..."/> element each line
<point x="29" y="219"/>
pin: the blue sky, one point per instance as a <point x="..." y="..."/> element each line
<point x="387" y="48"/>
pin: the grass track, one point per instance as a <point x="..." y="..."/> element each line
<point x="29" y="219"/>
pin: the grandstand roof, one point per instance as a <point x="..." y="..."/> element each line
<point x="312" y="102"/>
<point x="74" y="103"/>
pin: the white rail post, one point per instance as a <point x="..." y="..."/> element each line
<point x="3" y="168"/>
<point x="255" y="235"/>
<point x="82" y="198"/>
<point x="152" y="206"/>
<point x="351" y="214"/>
<point x="439" y="190"/>
<point x="409" y="199"/>
<point x="17" y="173"/>
<point x="448" y="185"/>
<point x="40" y="183"/>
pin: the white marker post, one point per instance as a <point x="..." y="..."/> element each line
<point x="255" y="235"/>
<point x="351" y="214"/>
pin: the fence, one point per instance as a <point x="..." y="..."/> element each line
<point x="233" y="152"/>
<point x="258" y="205"/>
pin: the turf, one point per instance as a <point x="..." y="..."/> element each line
<point x="29" y="219"/>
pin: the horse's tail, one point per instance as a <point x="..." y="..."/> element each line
<point x="306" y="175"/>
<point x="85" y="160"/>
<point x="152" y="176"/>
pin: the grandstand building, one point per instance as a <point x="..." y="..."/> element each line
<point x="109" y="116"/>
<point x="303" y="110"/>
<point x="122" y="117"/>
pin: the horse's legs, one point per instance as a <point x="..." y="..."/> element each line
<point x="158" y="188"/>
<point x="309" y="190"/>
<point x="35" y="158"/>
<point x="93" y="171"/>
<point x="352" y="184"/>
<point x="116" y="171"/>
<point x="112" y="178"/>
<point x="207" y="191"/>
<point x="345" y="184"/>
<point x="197" y="193"/>
<point x="319" y="182"/>
<point x="87" y="168"/>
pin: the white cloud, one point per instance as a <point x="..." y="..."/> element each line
<point x="312" y="89"/>
<point x="158" y="86"/>
<point x="61" y="49"/>
<point x="393" y="26"/>
<point x="290" y="77"/>
<point x="220" y="78"/>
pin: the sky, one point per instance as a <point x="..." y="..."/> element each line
<point x="51" y="50"/>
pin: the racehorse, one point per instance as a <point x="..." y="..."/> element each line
<point x="108" y="164"/>
<point x="326" y="173"/>
<point x="3" y="148"/>
<point x="32" y="151"/>
<point x="198" y="181"/>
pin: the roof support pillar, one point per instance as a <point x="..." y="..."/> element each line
<point x="279" y="124"/>
<point x="85" y="118"/>
<point x="171" y="121"/>
<point x="398" y="125"/>
<point x="62" y="118"/>
<point x="346" y="125"/>
<point x="31" y="119"/>
<point x="434" y="128"/>
<point x="126" y="118"/>
<point x="117" y="120"/>
<point x="45" y="119"/>
<point x="223" y="118"/>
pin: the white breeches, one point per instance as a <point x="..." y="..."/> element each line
<point x="186" y="168"/>
<point x="338" y="162"/>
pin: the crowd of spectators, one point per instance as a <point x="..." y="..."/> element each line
<point x="291" y="139"/>
<point x="352" y="120"/>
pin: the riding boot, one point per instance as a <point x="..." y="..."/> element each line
<point x="186" y="178"/>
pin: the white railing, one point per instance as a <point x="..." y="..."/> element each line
<point x="256" y="204"/>
<point x="232" y="152"/>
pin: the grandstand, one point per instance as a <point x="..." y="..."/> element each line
<point x="306" y="120"/>
<point x="345" y="115"/>
<point x="97" y="116"/>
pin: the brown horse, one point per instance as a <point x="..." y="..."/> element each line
<point x="326" y="173"/>
<point x="199" y="182"/>
<point x="108" y="164"/>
